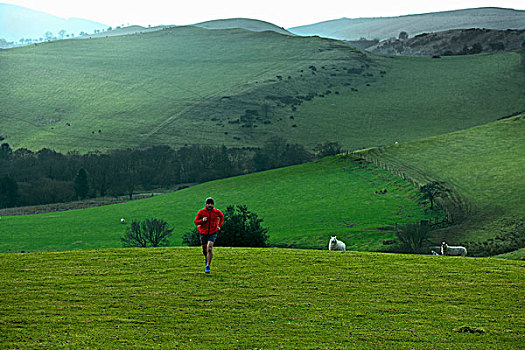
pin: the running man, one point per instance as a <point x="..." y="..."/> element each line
<point x="209" y="221"/>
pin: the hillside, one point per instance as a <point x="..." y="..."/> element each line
<point x="155" y="88"/>
<point x="19" y="22"/>
<point x="302" y="206"/>
<point x="483" y="167"/>
<point x="387" y="27"/>
<point x="259" y="298"/>
<point x="453" y="42"/>
<point x="242" y="23"/>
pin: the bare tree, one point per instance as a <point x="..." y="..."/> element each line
<point x="152" y="232"/>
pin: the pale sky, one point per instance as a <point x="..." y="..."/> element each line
<point x="283" y="13"/>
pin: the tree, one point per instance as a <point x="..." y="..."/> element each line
<point x="241" y="228"/>
<point x="276" y="153"/>
<point x="433" y="190"/>
<point x="48" y="36"/>
<point x="8" y="192"/>
<point x="150" y="232"/>
<point x="6" y="152"/>
<point x="81" y="184"/>
<point x="62" y="33"/>
<point x="403" y="36"/>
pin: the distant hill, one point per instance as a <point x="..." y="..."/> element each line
<point x="19" y="22"/>
<point x="135" y="29"/>
<point x="243" y="23"/>
<point x="190" y="85"/>
<point x="387" y="27"/>
<point x="453" y="42"/>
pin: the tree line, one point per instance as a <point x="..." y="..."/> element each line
<point x="46" y="176"/>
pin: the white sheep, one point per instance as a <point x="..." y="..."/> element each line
<point x="122" y="221"/>
<point x="336" y="244"/>
<point x="453" y="250"/>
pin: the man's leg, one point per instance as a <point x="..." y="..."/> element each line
<point x="209" y="255"/>
<point x="205" y="252"/>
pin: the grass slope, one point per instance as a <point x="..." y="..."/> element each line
<point x="301" y="206"/>
<point x="188" y="85"/>
<point x="259" y="298"/>
<point x="485" y="165"/>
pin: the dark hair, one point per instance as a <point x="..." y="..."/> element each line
<point x="209" y="200"/>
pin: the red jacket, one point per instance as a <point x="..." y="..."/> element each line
<point x="213" y="222"/>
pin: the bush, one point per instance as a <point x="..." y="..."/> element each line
<point x="505" y="242"/>
<point x="412" y="236"/>
<point x="192" y="238"/>
<point x="241" y="228"/>
<point x="150" y="232"/>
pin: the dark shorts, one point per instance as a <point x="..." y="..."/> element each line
<point x="208" y="238"/>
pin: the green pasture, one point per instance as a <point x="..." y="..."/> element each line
<point x="258" y="299"/>
<point x="485" y="165"/>
<point x="188" y="85"/>
<point x="301" y="206"/>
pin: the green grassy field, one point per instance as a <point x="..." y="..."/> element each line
<point x="300" y="205"/>
<point x="259" y="298"/>
<point x="188" y="85"/>
<point x="485" y="165"/>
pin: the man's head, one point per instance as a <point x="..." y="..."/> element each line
<point x="209" y="203"/>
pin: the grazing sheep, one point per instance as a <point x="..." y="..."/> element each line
<point x="453" y="250"/>
<point x="122" y="221"/>
<point x="335" y="244"/>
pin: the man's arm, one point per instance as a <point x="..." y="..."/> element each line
<point x="221" y="219"/>
<point x="199" y="219"/>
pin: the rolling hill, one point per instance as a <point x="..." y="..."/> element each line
<point x="238" y="88"/>
<point x="387" y="27"/>
<point x="301" y="206"/>
<point x="258" y="298"/>
<point x="243" y="23"/>
<point x="19" y="22"/>
<point x="483" y="167"/>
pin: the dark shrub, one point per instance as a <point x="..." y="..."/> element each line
<point x="241" y="228"/>
<point x="412" y="236"/>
